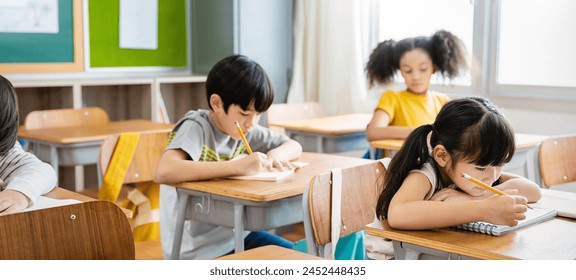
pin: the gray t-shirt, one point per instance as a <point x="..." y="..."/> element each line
<point x="198" y="137"/>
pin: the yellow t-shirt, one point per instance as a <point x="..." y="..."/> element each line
<point x="409" y="109"/>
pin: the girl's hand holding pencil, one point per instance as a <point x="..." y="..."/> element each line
<point x="486" y="186"/>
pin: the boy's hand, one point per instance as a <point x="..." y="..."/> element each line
<point x="276" y="164"/>
<point x="12" y="201"/>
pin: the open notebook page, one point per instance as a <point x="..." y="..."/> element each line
<point x="46" y="202"/>
<point x="270" y="175"/>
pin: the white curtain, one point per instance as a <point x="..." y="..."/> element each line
<point x="331" y="45"/>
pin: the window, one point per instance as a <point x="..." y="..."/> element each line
<point x="523" y="51"/>
<point x="402" y="19"/>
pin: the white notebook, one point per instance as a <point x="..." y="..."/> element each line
<point x="533" y="216"/>
<point x="270" y="175"/>
<point x="46" y="202"/>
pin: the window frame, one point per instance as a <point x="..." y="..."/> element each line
<point x="484" y="69"/>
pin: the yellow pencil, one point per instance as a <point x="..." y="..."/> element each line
<point x="484" y="185"/>
<point x="244" y="138"/>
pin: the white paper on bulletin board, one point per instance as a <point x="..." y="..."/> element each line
<point x="139" y="24"/>
<point x="38" y="16"/>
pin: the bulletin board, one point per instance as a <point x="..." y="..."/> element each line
<point x="105" y="51"/>
<point x="46" y="52"/>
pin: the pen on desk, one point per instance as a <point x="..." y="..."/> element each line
<point x="244" y="138"/>
<point x="485" y="186"/>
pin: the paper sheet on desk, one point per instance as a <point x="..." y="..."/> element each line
<point x="271" y="176"/>
<point x="563" y="202"/>
<point x="46" y="202"/>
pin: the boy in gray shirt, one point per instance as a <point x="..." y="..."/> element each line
<point x="202" y="144"/>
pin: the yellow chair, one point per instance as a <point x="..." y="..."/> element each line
<point x="557" y="160"/>
<point x="139" y="176"/>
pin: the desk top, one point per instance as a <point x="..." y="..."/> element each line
<point x="553" y="239"/>
<point x="61" y="193"/>
<point x="522" y="141"/>
<point x="260" y="191"/>
<point x="79" y="134"/>
<point x="341" y="124"/>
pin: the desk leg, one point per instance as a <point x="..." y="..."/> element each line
<point x="238" y="227"/>
<point x="411" y="255"/>
<point x="179" y="231"/>
<point x="54" y="159"/>
<point x="531" y="167"/>
<point x="319" y="146"/>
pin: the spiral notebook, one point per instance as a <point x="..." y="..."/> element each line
<point x="533" y="216"/>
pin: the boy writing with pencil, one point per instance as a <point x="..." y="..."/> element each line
<point x="202" y="144"/>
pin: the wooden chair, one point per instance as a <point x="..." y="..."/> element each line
<point x="360" y="187"/>
<point x="57" y="118"/>
<point x="95" y="230"/>
<point x="65" y="117"/>
<point x="557" y="160"/>
<point x="280" y="112"/>
<point x="142" y="169"/>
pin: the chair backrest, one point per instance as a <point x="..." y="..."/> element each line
<point x="361" y="186"/>
<point x="142" y="168"/>
<point x="65" y="117"/>
<point x="95" y="230"/>
<point x="557" y="160"/>
<point x="280" y="112"/>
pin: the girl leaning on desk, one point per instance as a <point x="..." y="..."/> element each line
<point x="23" y="177"/>
<point x="425" y="188"/>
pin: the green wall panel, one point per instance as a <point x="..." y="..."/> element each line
<point x="105" y="48"/>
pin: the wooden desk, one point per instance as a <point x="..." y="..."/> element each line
<point x="329" y="134"/>
<point x="552" y="239"/>
<point x="80" y="145"/>
<point x="525" y="157"/>
<point x="270" y="252"/>
<point x="252" y="205"/>
<point x="60" y="193"/>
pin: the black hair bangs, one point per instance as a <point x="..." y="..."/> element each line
<point x="490" y="142"/>
<point x="258" y="91"/>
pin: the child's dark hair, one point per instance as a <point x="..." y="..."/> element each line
<point x="239" y="80"/>
<point x="446" y="51"/>
<point x="471" y="129"/>
<point x="9" y="116"/>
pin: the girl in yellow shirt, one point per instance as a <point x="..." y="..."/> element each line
<point x="417" y="58"/>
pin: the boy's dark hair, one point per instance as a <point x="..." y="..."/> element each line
<point x="446" y="51"/>
<point x="239" y="80"/>
<point x="471" y="129"/>
<point x="9" y="117"/>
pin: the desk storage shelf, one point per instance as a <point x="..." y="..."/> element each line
<point x="181" y="94"/>
<point x="121" y="98"/>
